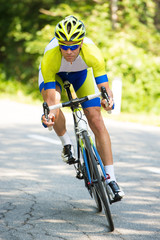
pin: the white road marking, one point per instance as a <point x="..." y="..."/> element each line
<point x="153" y="169"/>
<point x="44" y="139"/>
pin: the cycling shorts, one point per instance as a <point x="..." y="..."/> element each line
<point x="83" y="83"/>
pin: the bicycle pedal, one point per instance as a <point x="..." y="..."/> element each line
<point x="115" y="200"/>
<point x="79" y="176"/>
<point x="111" y="195"/>
<point x="72" y="161"/>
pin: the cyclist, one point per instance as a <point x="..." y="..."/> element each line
<point x="72" y="56"/>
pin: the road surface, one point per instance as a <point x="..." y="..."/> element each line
<point x="40" y="198"/>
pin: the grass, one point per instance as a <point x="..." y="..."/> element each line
<point x="141" y="118"/>
<point x="21" y="97"/>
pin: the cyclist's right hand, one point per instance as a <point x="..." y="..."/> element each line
<point x="50" y="121"/>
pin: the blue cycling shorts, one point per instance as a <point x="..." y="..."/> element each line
<point x="83" y="83"/>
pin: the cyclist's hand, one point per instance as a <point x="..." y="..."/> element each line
<point x="107" y="105"/>
<point x="50" y="121"/>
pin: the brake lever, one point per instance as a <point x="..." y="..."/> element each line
<point x="46" y="113"/>
<point x="105" y="96"/>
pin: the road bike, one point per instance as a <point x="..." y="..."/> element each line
<point x="88" y="164"/>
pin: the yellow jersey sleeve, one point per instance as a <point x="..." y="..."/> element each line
<point x="91" y="54"/>
<point x="50" y="64"/>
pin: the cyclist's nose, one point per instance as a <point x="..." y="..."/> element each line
<point x="69" y="51"/>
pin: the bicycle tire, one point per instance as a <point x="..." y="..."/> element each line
<point x="94" y="191"/>
<point x="98" y="184"/>
<point x="97" y="199"/>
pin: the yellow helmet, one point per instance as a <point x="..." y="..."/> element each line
<point x="70" y="29"/>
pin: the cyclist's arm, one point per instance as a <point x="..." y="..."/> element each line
<point x="49" y="71"/>
<point x="48" y="93"/>
<point x="110" y="94"/>
<point x="96" y="61"/>
<point x="106" y="85"/>
<point x="93" y="58"/>
<point x="49" y="97"/>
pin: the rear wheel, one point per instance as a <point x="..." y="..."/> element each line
<point x="98" y="188"/>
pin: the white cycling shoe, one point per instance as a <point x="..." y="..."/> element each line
<point x="114" y="191"/>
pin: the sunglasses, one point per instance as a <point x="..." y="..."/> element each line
<point x="71" y="47"/>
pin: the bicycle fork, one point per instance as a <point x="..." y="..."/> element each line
<point x="80" y="126"/>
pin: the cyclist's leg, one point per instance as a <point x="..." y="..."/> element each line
<point x="93" y="113"/>
<point x="102" y="138"/>
<point x="60" y="122"/>
<point x="92" y="110"/>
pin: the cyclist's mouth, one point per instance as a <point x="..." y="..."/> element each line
<point x="70" y="58"/>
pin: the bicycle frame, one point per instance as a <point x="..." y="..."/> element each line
<point x="80" y="125"/>
<point x="87" y="165"/>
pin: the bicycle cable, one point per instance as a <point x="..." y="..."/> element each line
<point x="81" y="115"/>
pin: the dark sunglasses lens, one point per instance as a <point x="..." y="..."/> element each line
<point x="65" y="47"/>
<point x="74" y="47"/>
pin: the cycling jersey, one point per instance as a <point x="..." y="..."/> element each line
<point x="84" y="73"/>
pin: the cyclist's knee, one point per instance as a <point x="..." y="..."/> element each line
<point x="95" y="119"/>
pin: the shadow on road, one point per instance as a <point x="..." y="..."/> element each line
<point x="41" y="199"/>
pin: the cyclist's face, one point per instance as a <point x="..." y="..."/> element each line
<point x="71" y="55"/>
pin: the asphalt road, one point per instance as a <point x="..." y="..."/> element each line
<point x="40" y="198"/>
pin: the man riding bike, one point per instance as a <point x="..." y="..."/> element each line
<point x="73" y="57"/>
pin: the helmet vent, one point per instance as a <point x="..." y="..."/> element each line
<point x="81" y="36"/>
<point x="69" y="27"/>
<point x="56" y="35"/>
<point x="79" y="26"/>
<point x="59" y="26"/>
<point x="73" y="36"/>
<point x="62" y="35"/>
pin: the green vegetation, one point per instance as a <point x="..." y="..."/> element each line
<point x="129" y="38"/>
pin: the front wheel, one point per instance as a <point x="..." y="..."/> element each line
<point x="97" y="180"/>
<point x="97" y="199"/>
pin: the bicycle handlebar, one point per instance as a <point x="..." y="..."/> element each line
<point x="76" y="101"/>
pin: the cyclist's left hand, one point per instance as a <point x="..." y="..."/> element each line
<point x="107" y="105"/>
